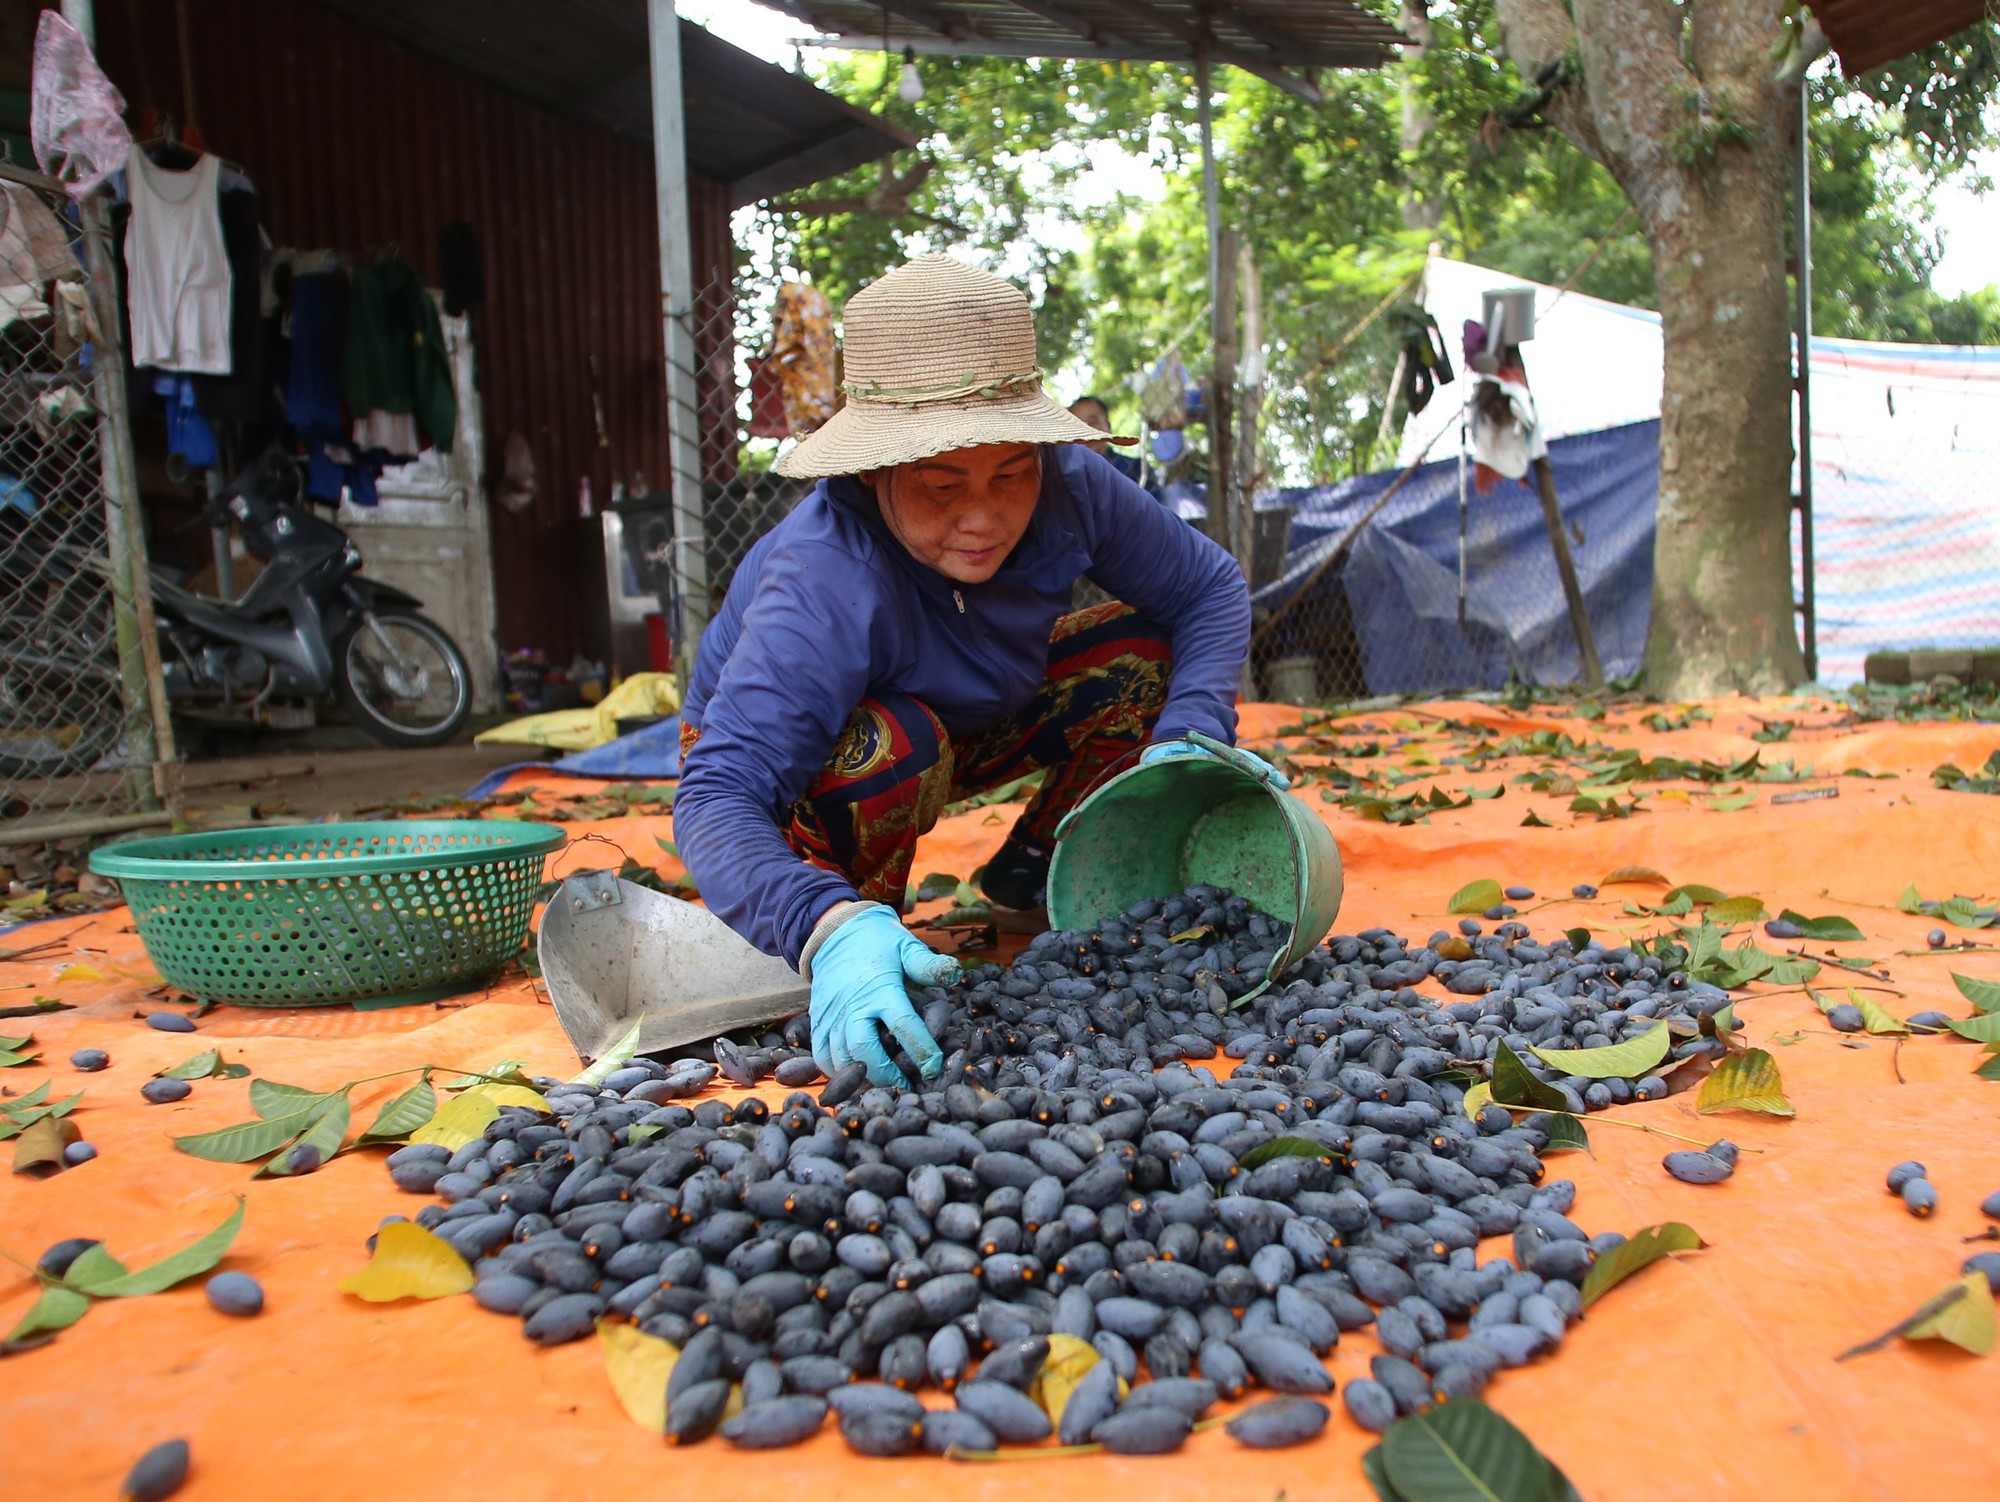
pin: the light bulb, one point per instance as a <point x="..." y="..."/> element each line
<point x="911" y="88"/>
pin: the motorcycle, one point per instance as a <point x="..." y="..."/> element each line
<point x="309" y="626"/>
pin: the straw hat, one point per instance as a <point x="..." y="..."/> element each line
<point x="938" y="356"/>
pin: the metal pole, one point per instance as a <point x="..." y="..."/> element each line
<point x="677" y="306"/>
<point x="1802" y="237"/>
<point x="1221" y="324"/>
<point x="149" y="739"/>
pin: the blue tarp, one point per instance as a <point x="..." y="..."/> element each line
<point x="1399" y="580"/>
<point x="644" y="755"/>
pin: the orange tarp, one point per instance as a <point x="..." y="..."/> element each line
<point x="1711" y="1376"/>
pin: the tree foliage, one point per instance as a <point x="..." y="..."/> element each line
<point x="1318" y="193"/>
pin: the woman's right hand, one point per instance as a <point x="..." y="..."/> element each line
<point x="858" y="977"/>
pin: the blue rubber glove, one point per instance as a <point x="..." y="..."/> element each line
<point x="858" y="974"/>
<point x="1160" y="750"/>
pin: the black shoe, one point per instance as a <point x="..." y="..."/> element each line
<point x="1018" y="874"/>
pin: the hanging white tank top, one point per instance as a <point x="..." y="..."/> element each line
<point x="176" y="271"/>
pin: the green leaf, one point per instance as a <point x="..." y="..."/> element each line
<point x="1747" y="1081"/>
<point x="1377" y="1473"/>
<point x="1731" y="805"/>
<point x="1963" y="912"/>
<point x="1566" y="1133"/>
<point x="1873" y="1016"/>
<point x="1694" y="891"/>
<point x="401" y="1116"/>
<point x="1578" y="937"/>
<point x="22" y="1103"/>
<point x="642" y="1131"/>
<point x="1533" y="821"/>
<point x="1832" y="929"/>
<point x="200" y="1067"/>
<point x="326" y="1133"/>
<point x="616" y="1057"/>
<point x="247" y="1140"/>
<point x="1985" y="1028"/>
<point x="1911" y="901"/>
<point x="1990" y="1070"/>
<point x="95" y="1266"/>
<point x="1513" y="1085"/>
<point x="937" y="884"/>
<point x="1983" y="994"/>
<point x="9" y="1058"/>
<point x="1464" y="1451"/>
<point x="1734" y="910"/>
<point x="270" y="1099"/>
<point x="1624" y="1060"/>
<point x="1476" y="897"/>
<point x="1284" y="1147"/>
<point x="190" y="1261"/>
<point x="1645" y="1248"/>
<point x="1961" y="1313"/>
<point x="57" y="1309"/>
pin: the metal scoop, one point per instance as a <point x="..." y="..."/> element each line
<point x="614" y="954"/>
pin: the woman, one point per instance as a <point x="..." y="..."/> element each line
<point x="901" y="640"/>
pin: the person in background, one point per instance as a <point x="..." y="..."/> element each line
<point x="904" y="639"/>
<point x="1092" y="410"/>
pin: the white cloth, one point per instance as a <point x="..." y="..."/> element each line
<point x="177" y="272"/>
<point x="1509" y="445"/>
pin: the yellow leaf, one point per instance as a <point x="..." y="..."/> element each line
<point x="1967" y="1321"/>
<point x="466" y="1114"/>
<point x="1069" y="1361"/>
<point x="458" y="1121"/>
<point x="78" y="972"/>
<point x="1478" y="1097"/>
<point x="1674" y="795"/>
<point x="1736" y="910"/>
<point x="409" y="1263"/>
<point x="638" y="1365"/>
<point x="511" y="1095"/>
<point x="1419" y="757"/>
<point x="1878" y="1017"/>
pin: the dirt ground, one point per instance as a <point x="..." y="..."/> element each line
<point x="316" y="783"/>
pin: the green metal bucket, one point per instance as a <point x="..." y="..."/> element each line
<point x="1187" y="820"/>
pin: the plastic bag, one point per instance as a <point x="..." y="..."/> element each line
<point x="74" y="112"/>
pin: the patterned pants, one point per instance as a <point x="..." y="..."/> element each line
<point x="894" y="768"/>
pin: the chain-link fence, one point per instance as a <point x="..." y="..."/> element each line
<point x="66" y="759"/>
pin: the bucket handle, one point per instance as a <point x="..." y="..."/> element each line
<point x="1221" y="751"/>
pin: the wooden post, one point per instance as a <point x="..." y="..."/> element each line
<point x="1248" y="465"/>
<point x="1221" y="321"/>
<point x="1579" y="618"/>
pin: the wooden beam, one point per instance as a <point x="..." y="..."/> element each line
<point x="1201" y="40"/>
<point x="1069" y="20"/>
<point x="955" y="28"/>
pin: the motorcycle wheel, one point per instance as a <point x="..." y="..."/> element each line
<point x="412" y="690"/>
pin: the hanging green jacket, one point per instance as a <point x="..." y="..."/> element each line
<point x="395" y="358"/>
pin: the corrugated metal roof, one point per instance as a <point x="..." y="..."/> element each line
<point x="1269" y="33"/>
<point x="751" y="126"/>
<point x="1868" y="33"/>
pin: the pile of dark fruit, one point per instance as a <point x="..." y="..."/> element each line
<point x="1119" y="1150"/>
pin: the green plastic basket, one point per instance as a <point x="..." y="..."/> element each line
<point x="317" y="914"/>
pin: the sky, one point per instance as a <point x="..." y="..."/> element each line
<point x="1968" y="221"/>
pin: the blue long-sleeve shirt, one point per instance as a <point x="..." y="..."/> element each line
<point x="828" y="608"/>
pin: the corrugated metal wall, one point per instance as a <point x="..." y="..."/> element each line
<point x="360" y="145"/>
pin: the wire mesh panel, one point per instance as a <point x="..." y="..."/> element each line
<point x="62" y="714"/>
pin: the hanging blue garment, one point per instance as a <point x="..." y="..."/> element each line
<point x="188" y="432"/>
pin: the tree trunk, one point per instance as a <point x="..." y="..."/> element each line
<point x="1722" y="555"/>
<point x="1419" y="211"/>
<point x="1682" y="105"/>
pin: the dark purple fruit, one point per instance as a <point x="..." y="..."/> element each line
<point x="1008" y="1412"/>
<point x="1693" y="1166"/>
<point x="778" y="1423"/>
<point x="165" y="1092"/>
<point x="235" y="1293"/>
<point x="1155" y="1430"/>
<point x="158" y="1473"/>
<point x="946" y="1429"/>
<point x="56" y="1260"/>
<point x="90" y="1060"/>
<point x="696" y="1412"/>
<point x="1277" y="1423"/>
<point x="169" y="1022"/>
<point x="78" y="1152"/>
<point x="1584" y="890"/>
<point x="1920" y="1198"/>
<point x="1369" y="1404"/>
<point x="1903" y="1172"/>
<point x="882" y="1434"/>
<point x="1936" y="938"/>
